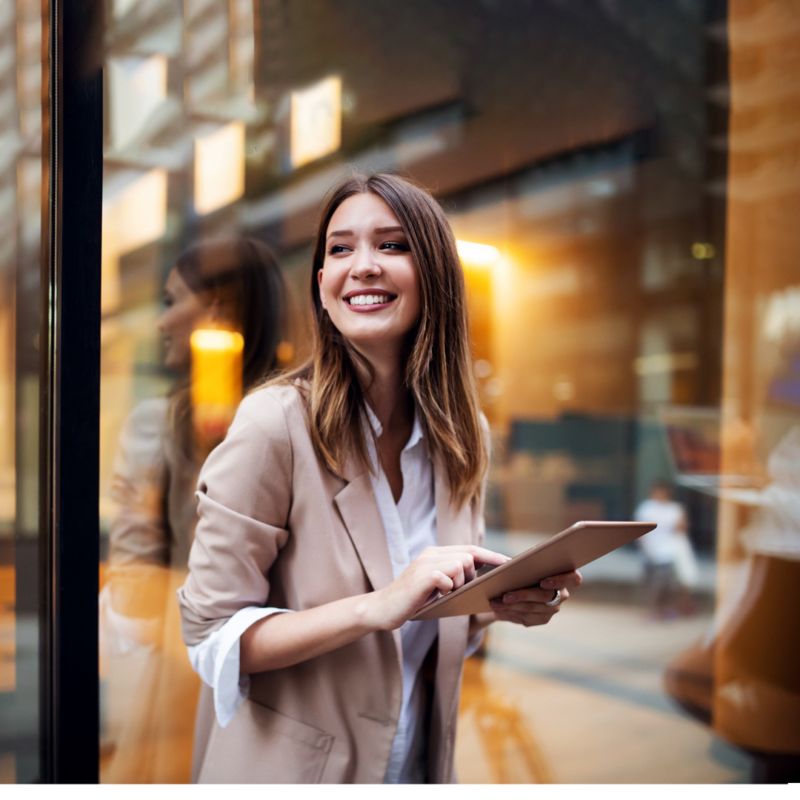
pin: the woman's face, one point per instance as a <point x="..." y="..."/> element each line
<point x="182" y="315"/>
<point x="369" y="282"/>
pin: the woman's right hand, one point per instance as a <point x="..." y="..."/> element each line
<point x="434" y="569"/>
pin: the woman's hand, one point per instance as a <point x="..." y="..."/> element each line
<point x="528" y="606"/>
<point x="434" y="569"/>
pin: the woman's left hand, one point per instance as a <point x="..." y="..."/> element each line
<point x="528" y="606"/>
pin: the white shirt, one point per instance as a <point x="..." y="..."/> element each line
<point x="410" y="527"/>
<point x="659" y="545"/>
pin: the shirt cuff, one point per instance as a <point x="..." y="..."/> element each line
<point x="216" y="661"/>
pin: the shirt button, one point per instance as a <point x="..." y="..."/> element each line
<point x="398" y="558"/>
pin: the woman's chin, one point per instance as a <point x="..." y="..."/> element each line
<point x="176" y="364"/>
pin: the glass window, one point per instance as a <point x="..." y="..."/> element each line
<point x="608" y="221"/>
<point x="22" y="207"/>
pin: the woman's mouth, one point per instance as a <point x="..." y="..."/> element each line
<point x="370" y="302"/>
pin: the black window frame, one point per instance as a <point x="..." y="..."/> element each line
<point x="70" y="396"/>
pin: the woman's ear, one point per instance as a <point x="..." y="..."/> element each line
<point x="217" y="313"/>
<point x="321" y="294"/>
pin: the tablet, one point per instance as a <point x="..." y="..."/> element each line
<point x="564" y="552"/>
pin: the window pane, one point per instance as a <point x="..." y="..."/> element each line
<point x="608" y="223"/>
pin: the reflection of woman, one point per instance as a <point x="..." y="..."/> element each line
<point x="152" y="690"/>
<point x="348" y="494"/>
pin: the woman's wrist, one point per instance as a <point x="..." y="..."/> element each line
<point x="370" y="612"/>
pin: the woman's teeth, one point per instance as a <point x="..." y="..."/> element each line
<point x="368" y="299"/>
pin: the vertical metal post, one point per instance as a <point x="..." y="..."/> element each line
<point x="70" y="395"/>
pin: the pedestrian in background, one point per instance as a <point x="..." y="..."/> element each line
<point x="670" y="569"/>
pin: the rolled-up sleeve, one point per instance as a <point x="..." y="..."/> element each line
<point x="216" y="661"/>
<point x="244" y="498"/>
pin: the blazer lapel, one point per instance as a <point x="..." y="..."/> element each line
<point x="452" y="528"/>
<point x="359" y="510"/>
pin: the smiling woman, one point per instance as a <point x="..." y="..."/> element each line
<point x="349" y="492"/>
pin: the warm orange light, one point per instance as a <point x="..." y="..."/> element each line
<point x="216" y="381"/>
<point x="285" y="352"/>
<point x="473" y="254"/>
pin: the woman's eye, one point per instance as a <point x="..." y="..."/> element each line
<point x="337" y="248"/>
<point x="393" y="246"/>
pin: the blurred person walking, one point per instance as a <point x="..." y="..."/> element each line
<point x="670" y="568"/>
<point x="151" y="690"/>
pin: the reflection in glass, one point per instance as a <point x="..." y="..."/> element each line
<point x="226" y="287"/>
<point x="744" y="676"/>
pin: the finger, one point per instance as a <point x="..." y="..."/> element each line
<point x="454" y="569"/>
<point x="567" y="580"/>
<point x="480" y="555"/>
<point x="533" y="594"/>
<point x="438" y="580"/>
<point x="528" y="620"/>
<point x="526" y="608"/>
<point x="462" y="570"/>
<point x="468" y="562"/>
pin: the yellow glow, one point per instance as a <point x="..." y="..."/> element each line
<point x="219" y="167"/>
<point x="473" y="254"/>
<point x="216" y="380"/>
<point x="217" y="340"/>
<point x="316" y="121"/>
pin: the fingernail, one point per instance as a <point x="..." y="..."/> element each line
<point x="510" y="598"/>
<point x="547" y="585"/>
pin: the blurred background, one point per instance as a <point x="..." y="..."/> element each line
<point x="622" y="178"/>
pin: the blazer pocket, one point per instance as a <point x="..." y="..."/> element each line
<point x="262" y="746"/>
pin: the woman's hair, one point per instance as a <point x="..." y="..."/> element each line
<point x="241" y="276"/>
<point x="439" y="370"/>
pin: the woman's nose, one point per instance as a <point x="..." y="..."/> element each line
<point x="365" y="265"/>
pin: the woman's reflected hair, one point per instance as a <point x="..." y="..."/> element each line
<point x="241" y="278"/>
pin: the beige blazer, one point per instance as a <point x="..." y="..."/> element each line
<point x="278" y="529"/>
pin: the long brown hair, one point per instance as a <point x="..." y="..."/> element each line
<point x="438" y="371"/>
<point x="242" y="276"/>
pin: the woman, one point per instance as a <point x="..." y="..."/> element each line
<point x="348" y="494"/>
<point x="151" y="688"/>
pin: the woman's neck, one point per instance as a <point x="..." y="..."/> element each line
<point x="387" y="393"/>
